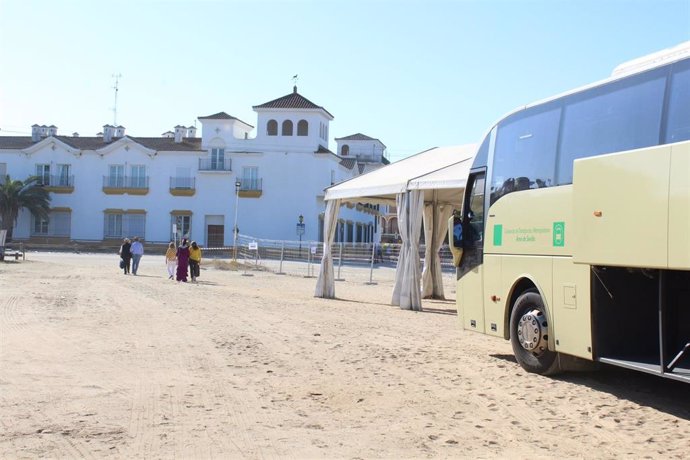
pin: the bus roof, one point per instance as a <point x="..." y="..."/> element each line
<point x="650" y="61"/>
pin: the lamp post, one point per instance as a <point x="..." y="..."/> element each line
<point x="300" y="232"/>
<point x="236" y="230"/>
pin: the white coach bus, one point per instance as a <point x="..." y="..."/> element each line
<point x="576" y="225"/>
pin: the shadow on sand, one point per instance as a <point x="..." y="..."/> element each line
<point x="669" y="396"/>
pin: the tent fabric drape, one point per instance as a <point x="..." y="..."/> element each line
<point x="325" y="285"/>
<point x="406" y="292"/>
<point x="435" y="228"/>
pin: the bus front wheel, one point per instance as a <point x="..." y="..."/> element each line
<point x="529" y="335"/>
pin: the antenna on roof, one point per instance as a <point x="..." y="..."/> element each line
<point x="117" y="82"/>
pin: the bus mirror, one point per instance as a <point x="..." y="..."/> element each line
<point x="455" y="238"/>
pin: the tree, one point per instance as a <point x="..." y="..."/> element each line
<point x="16" y="195"/>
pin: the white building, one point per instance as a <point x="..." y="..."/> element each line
<point x="115" y="185"/>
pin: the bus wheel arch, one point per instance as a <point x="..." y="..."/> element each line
<point x="530" y="332"/>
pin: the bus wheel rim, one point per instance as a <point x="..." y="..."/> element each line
<point x="533" y="332"/>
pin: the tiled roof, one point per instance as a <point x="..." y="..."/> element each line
<point x="222" y="116"/>
<point x="361" y="167"/>
<point x="168" y="143"/>
<point x="15" y="142"/>
<point x="349" y="163"/>
<point x="293" y="100"/>
<point x="358" y="137"/>
<point x="323" y="149"/>
<point x="95" y="143"/>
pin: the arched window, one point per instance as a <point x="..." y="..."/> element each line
<point x="302" y="128"/>
<point x="272" y="128"/>
<point x="287" y="128"/>
<point x="345" y="150"/>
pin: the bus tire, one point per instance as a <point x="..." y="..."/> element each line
<point x="529" y="335"/>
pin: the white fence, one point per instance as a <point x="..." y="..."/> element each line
<point x="352" y="261"/>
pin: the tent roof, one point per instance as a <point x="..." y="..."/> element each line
<point x="443" y="185"/>
<point x="428" y="168"/>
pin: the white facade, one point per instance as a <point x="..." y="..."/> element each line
<point x="361" y="147"/>
<point x="104" y="189"/>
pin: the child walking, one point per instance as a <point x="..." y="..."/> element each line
<point x="171" y="260"/>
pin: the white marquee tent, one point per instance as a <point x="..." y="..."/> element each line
<point x="425" y="186"/>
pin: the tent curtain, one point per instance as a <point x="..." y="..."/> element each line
<point x="406" y="292"/>
<point x="435" y="229"/>
<point x="325" y="285"/>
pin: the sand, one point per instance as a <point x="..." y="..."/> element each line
<point x="96" y="364"/>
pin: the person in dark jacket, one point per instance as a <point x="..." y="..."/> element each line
<point x="126" y="254"/>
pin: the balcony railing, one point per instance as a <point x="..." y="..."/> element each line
<point x="138" y="183"/>
<point x="182" y="183"/>
<point x="211" y="164"/>
<point x="249" y="185"/>
<point x="57" y="184"/>
<point x="182" y="186"/>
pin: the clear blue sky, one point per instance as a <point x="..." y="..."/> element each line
<point x="415" y="74"/>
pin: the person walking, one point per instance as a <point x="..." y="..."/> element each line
<point x="182" y="261"/>
<point x="171" y="259"/>
<point x="137" y="252"/>
<point x="126" y="254"/>
<point x="194" y="260"/>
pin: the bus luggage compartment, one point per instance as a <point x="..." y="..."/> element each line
<point x="632" y="209"/>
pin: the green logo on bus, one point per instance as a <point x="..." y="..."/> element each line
<point x="559" y="233"/>
<point x="498" y="234"/>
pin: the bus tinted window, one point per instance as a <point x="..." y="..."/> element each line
<point x="678" y="124"/>
<point x="525" y="152"/>
<point x="620" y="116"/>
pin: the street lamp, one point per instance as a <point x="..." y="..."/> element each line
<point x="300" y="232"/>
<point x="235" y="229"/>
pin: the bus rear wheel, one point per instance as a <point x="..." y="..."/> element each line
<point x="529" y="335"/>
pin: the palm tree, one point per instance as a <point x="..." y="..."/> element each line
<point x="15" y="195"/>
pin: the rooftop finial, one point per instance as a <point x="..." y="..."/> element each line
<point x="294" y="80"/>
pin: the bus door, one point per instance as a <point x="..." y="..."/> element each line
<point x="470" y="272"/>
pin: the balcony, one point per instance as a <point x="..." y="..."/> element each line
<point x="57" y="184"/>
<point x="119" y="185"/>
<point x="250" y="188"/>
<point x="182" y="186"/>
<point x="215" y="165"/>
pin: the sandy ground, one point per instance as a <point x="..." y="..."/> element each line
<point x="96" y="364"/>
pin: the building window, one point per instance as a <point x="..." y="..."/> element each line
<point x="287" y="128"/>
<point x="272" y="128"/>
<point x="63" y="176"/>
<point x="113" y="226"/>
<point x="43" y="174"/>
<point x="124" y="224"/>
<point x="40" y="226"/>
<point x="138" y="176"/>
<point x="302" y="128"/>
<point x="250" y="178"/>
<point x="345" y="150"/>
<point x="217" y="159"/>
<point x="57" y="224"/>
<point x="183" y="224"/>
<point x="116" y="176"/>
